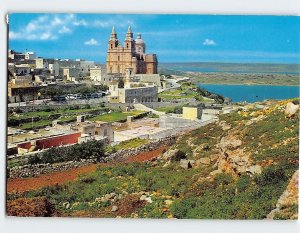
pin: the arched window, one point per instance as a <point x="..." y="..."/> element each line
<point x="127" y="46"/>
<point x="111" y="46"/>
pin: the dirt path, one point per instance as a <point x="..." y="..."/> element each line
<point x="33" y="183"/>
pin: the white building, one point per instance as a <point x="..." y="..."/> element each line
<point x="85" y="65"/>
<point x="30" y="55"/>
<point x="22" y="70"/>
<point x="133" y="92"/>
<point x="69" y="73"/>
<point x="96" y="74"/>
<point x="41" y="63"/>
<point x="54" y="68"/>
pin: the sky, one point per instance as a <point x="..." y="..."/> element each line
<point x="174" y="38"/>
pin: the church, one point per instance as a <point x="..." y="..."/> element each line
<point x="131" y="55"/>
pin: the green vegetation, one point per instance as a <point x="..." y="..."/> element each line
<point x="271" y="142"/>
<point x="188" y="90"/>
<point x="35" y="125"/>
<point x="185" y="91"/>
<point x="85" y="150"/>
<point x="45" y="116"/>
<point x="115" y="116"/>
<point x="56" y="91"/>
<point x="175" y="109"/>
<point x="128" y="144"/>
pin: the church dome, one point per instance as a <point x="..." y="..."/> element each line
<point x="139" y="39"/>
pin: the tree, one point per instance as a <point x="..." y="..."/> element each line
<point x="121" y="83"/>
<point x="51" y="91"/>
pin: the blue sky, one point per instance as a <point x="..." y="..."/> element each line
<point x="174" y="38"/>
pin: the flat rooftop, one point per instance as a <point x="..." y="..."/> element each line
<point x="42" y="133"/>
<point x="136" y="132"/>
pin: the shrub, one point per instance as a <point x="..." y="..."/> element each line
<point x="223" y="179"/>
<point x="34" y="159"/>
<point x="180" y="208"/>
<point x="178" y="156"/>
<point x="92" y="149"/>
<point x="271" y="175"/>
<point x="243" y="183"/>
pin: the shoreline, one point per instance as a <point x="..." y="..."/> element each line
<point x="249" y="84"/>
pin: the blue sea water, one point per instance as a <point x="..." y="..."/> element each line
<point x="253" y="93"/>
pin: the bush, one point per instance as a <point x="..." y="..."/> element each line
<point x="243" y="183"/>
<point x="223" y="179"/>
<point x="271" y="175"/>
<point x="180" y="208"/>
<point x="34" y="160"/>
<point x="178" y="156"/>
<point x="92" y="149"/>
<point x="46" y="109"/>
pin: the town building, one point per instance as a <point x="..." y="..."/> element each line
<point x="15" y="55"/>
<point x="41" y="63"/>
<point x="90" y="130"/>
<point x="30" y="55"/>
<point x="69" y="73"/>
<point x="54" y="68"/>
<point x="191" y="113"/>
<point x="22" y="70"/>
<point x="85" y="66"/>
<point x="133" y="91"/>
<point x="96" y="74"/>
<point x="132" y="54"/>
<point x="21" y="93"/>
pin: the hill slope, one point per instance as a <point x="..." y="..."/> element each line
<point x="236" y="168"/>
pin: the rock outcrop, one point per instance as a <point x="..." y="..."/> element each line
<point x="291" y="109"/>
<point x="288" y="199"/>
<point x="233" y="159"/>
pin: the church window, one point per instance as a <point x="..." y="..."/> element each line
<point x="127" y="45"/>
<point x="111" y="46"/>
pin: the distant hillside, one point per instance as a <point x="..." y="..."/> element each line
<point x="231" y="67"/>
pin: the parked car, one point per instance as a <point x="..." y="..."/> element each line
<point x="71" y="97"/>
<point x="59" y="98"/>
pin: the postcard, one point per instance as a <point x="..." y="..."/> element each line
<point x="153" y="116"/>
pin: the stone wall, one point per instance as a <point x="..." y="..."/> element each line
<point x="37" y="169"/>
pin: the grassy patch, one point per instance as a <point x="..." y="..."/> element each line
<point x="115" y="116"/>
<point x="36" y="124"/>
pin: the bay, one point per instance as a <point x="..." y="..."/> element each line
<point x="253" y="93"/>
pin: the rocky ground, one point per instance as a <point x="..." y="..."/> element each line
<point x="245" y="166"/>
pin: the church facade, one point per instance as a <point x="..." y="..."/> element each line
<point x="131" y="55"/>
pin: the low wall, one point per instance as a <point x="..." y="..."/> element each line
<point x="37" y="169"/>
<point x="54" y="141"/>
<point x="57" y="141"/>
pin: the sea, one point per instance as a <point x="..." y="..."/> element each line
<point x="241" y="93"/>
<point x="253" y="93"/>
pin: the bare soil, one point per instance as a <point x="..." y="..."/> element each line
<point x="19" y="185"/>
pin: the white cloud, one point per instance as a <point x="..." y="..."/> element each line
<point x="118" y="21"/>
<point x="13" y="35"/>
<point x="92" y="41"/>
<point x="209" y="42"/>
<point x="64" y="29"/>
<point x="80" y="23"/>
<point x="47" y="36"/>
<point x="47" y="27"/>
